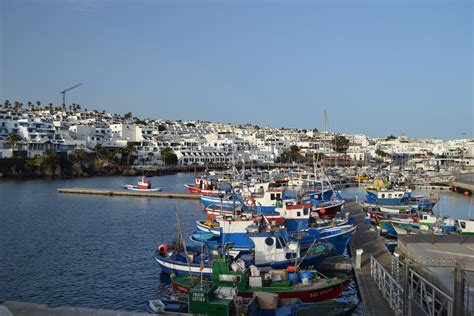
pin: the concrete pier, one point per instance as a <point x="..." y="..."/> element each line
<point x="368" y="240"/>
<point x="112" y="192"/>
<point x="12" y="308"/>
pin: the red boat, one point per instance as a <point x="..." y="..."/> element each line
<point x="203" y="185"/>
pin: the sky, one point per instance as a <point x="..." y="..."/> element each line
<point x="378" y="67"/>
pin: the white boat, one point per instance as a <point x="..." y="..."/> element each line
<point x="144" y="185"/>
<point x="465" y="227"/>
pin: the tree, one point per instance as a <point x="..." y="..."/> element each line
<point x="341" y="144"/>
<point x="168" y="156"/>
<point x="190" y="125"/>
<point x="13" y="139"/>
<point x="391" y="137"/>
<point x="6" y="105"/>
<point x="161" y="128"/>
<point x="128" y="116"/>
<point x="129" y="149"/>
<point x="381" y="153"/>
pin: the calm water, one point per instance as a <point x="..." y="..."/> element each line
<point x="97" y="251"/>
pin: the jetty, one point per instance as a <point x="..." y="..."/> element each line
<point x="372" y="245"/>
<point x="114" y="192"/>
<point x="464" y="183"/>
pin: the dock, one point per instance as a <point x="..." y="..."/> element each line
<point x="367" y="239"/>
<point x="11" y="308"/>
<point x="113" y="192"/>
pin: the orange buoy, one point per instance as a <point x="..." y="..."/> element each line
<point x="322" y="211"/>
<point x="466" y="193"/>
<point x="291" y="269"/>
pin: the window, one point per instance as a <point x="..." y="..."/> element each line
<point x="305" y="211"/>
<point x="272" y="196"/>
<point x="298" y="214"/>
<point x="383" y="196"/>
<point x="279" y="245"/>
<point x="463" y="225"/>
<point x="269" y="241"/>
<point x="390" y="195"/>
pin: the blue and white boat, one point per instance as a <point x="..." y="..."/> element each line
<point x="394" y="200"/>
<point x="232" y="200"/>
<point x="270" y="250"/>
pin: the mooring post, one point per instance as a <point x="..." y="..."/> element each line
<point x="359" y="253"/>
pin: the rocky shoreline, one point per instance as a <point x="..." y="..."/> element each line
<point x="75" y="165"/>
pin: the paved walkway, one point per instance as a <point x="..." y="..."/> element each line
<point x="373" y="302"/>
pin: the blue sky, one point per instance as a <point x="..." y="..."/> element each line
<point x="377" y="67"/>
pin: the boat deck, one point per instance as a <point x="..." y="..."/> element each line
<point x="366" y="238"/>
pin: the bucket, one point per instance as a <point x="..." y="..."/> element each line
<point x="293" y="278"/>
<point x="306" y="277"/>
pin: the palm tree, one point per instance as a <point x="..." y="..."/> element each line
<point x="50" y="107"/>
<point x="13" y="139"/>
<point x="129" y="149"/>
<point x="6" y="104"/>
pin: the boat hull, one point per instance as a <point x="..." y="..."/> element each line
<point x="137" y="189"/>
<point x="310" y="294"/>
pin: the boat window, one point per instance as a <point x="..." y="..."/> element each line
<point x="269" y="241"/>
<point x="283" y="241"/>
<point x="298" y="214"/>
<point x="278" y="196"/>
<point x="305" y="211"/>
<point x="383" y="195"/>
<point x="272" y="196"/>
<point x="279" y="246"/>
<point x="390" y="195"/>
<point x="463" y="225"/>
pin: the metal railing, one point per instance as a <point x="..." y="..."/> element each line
<point x="391" y="290"/>
<point x="428" y="297"/>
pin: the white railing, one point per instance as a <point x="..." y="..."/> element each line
<point x="428" y="297"/>
<point x="391" y="290"/>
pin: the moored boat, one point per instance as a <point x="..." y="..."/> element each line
<point x="308" y="285"/>
<point x="144" y="185"/>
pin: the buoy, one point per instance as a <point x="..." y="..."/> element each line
<point x="322" y="211"/>
<point x="248" y="201"/>
<point x="466" y="193"/>
<point x="291" y="269"/>
<point x="162" y="249"/>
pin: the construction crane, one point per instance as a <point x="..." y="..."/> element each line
<point x="64" y="92"/>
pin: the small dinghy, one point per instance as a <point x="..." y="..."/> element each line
<point x="160" y="306"/>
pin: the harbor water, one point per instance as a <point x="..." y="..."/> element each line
<point x="98" y="251"/>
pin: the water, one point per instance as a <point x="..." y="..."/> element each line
<point x="98" y="251"/>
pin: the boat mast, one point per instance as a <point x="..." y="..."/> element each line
<point x="180" y="231"/>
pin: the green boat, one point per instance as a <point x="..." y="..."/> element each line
<point x="305" y="285"/>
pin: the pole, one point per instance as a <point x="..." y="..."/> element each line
<point x="458" y="303"/>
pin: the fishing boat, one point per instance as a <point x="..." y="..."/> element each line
<point x="231" y="200"/>
<point x="214" y="211"/>
<point x="144" y="185"/>
<point x="464" y="226"/>
<point x="208" y="185"/>
<point x="306" y="285"/>
<point x="270" y="249"/>
<point x="206" y="298"/>
<point x="395" y="200"/>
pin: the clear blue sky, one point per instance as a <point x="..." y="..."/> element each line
<point x="378" y="67"/>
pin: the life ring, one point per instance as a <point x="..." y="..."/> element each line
<point x="248" y="201"/>
<point x="162" y="249"/>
